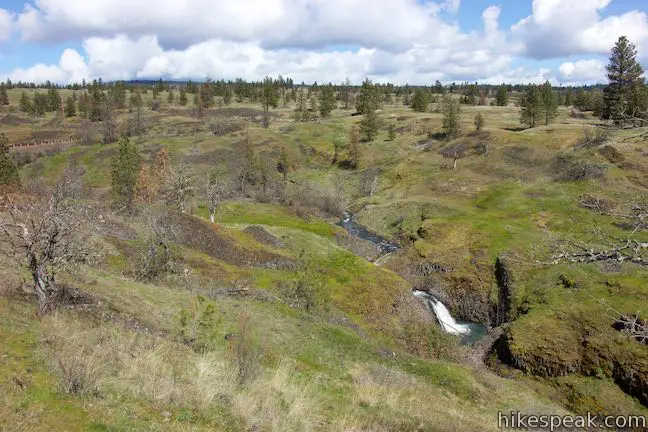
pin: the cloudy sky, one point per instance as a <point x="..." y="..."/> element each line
<point x="401" y="41"/>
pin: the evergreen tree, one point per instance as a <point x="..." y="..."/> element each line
<point x="269" y="98"/>
<point x="327" y="100"/>
<point x="368" y="99"/>
<point x="569" y="98"/>
<point x="84" y="105"/>
<point x="549" y="103"/>
<point x="40" y="105"/>
<point x="4" y="98"/>
<point x="346" y="92"/>
<point x="182" y="100"/>
<point x="624" y="74"/>
<point x="369" y="125"/>
<point x="470" y="95"/>
<point x="53" y="100"/>
<point x="391" y="134"/>
<point x="479" y="121"/>
<point x="25" y="103"/>
<point x="451" y="118"/>
<point x="420" y="101"/>
<point x="283" y="164"/>
<point x="96" y="102"/>
<point x="70" y="107"/>
<point x="8" y="169"/>
<point x="171" y="97"/>
<point x="501" y="96"/>
<point x="125" y="172"/>
<point x="227" y="96"/>
<point x="532" y="106"/>
<point x="339" y="143"/>
<point x="355" y="152"/>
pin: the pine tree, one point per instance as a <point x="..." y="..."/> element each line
<point x="451" y="118"/>
<point x="70" y="107"/>
<point x="227" y="96"/>
<point x="532" y="106"/>
<point x="183" y="97"/>
<point x="569" y="98"/>
<point x="171" y="97"/>
<point x="501" y="96"/>
<point x="125" y="173"/>
<point x="283" y="164"/>
<point x="391" y="134"/>
<point x="339" y="143"/>
<point x="368" y="99"/>
<point x="347" y="90"/>
<point x="369" y="125"/>
<point x="549" y="103"/>
<point x="355" y="152"/>
<point x="84" y="105"/>
<point x="8" y="169"/>
<point x="624" y="74"/>
<point x="327" y="100"/>
<point x="479" y="121"/>
<point x="53" y="100"/>
<point x="40" y="105"/>
<point x="269" y="98"/>
<point x="4" y="98"/>
<point x="420" y="101"/>
<point x="25" y="103"/>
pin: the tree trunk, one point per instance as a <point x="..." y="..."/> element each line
<point x="44" y="285"/>
<point x="212" y="216"/>
<point x="454" y="164"/>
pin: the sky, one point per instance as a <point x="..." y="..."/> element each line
<point x="401" y="41"/>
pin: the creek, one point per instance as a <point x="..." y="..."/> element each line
<point x="469" y="332"/>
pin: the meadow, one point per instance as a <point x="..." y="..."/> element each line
<point x="217" y="344"/>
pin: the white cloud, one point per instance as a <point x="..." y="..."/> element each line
<point x="582" y="71"/>
<point x="6" y="25"/>
<point x="451" y="6"/>
<point x="558" y="28"/>
<point x="392" y="25"/>
<point x="398" y="40"/>
<point x="448" y="55"/>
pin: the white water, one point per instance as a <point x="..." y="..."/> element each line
<point x="448" y="323"/>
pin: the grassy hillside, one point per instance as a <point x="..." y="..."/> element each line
<point x="220" y="342"/>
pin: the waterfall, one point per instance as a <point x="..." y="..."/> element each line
<point x="447" y="322"/>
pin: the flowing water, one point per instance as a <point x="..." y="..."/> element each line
<point x="357" y="230"/>
<point x="468" y="331"/>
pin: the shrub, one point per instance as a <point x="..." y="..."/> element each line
<point x="199" y="324"/>
<point x="220" y="127"/>
<point x="567" y="169"/>
<point x="243" y="352"/>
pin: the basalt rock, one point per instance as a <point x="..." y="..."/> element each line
<point x="502" y="311"/>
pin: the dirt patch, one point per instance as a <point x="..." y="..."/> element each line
<point x="262" y="236"/>
<point x="47" y="135"/>
<point x="214" y="157"/>
<point x="13" y="120"/>
<point x="612" y="154"/>
<point x="210" y="239"/>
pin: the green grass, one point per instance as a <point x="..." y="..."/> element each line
<point x="505" y="203"/>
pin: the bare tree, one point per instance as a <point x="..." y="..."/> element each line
<point x="604" y="247"/>
<point x="213" y="193"/>
<point x="47" y="236"/>
<point x="455" y="152"/>
<point x="109" y="124"/>
<point x="180" y="186"/>
<point x="633" y="325"/>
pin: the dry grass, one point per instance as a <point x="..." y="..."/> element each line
<point x="111" y="361"/>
